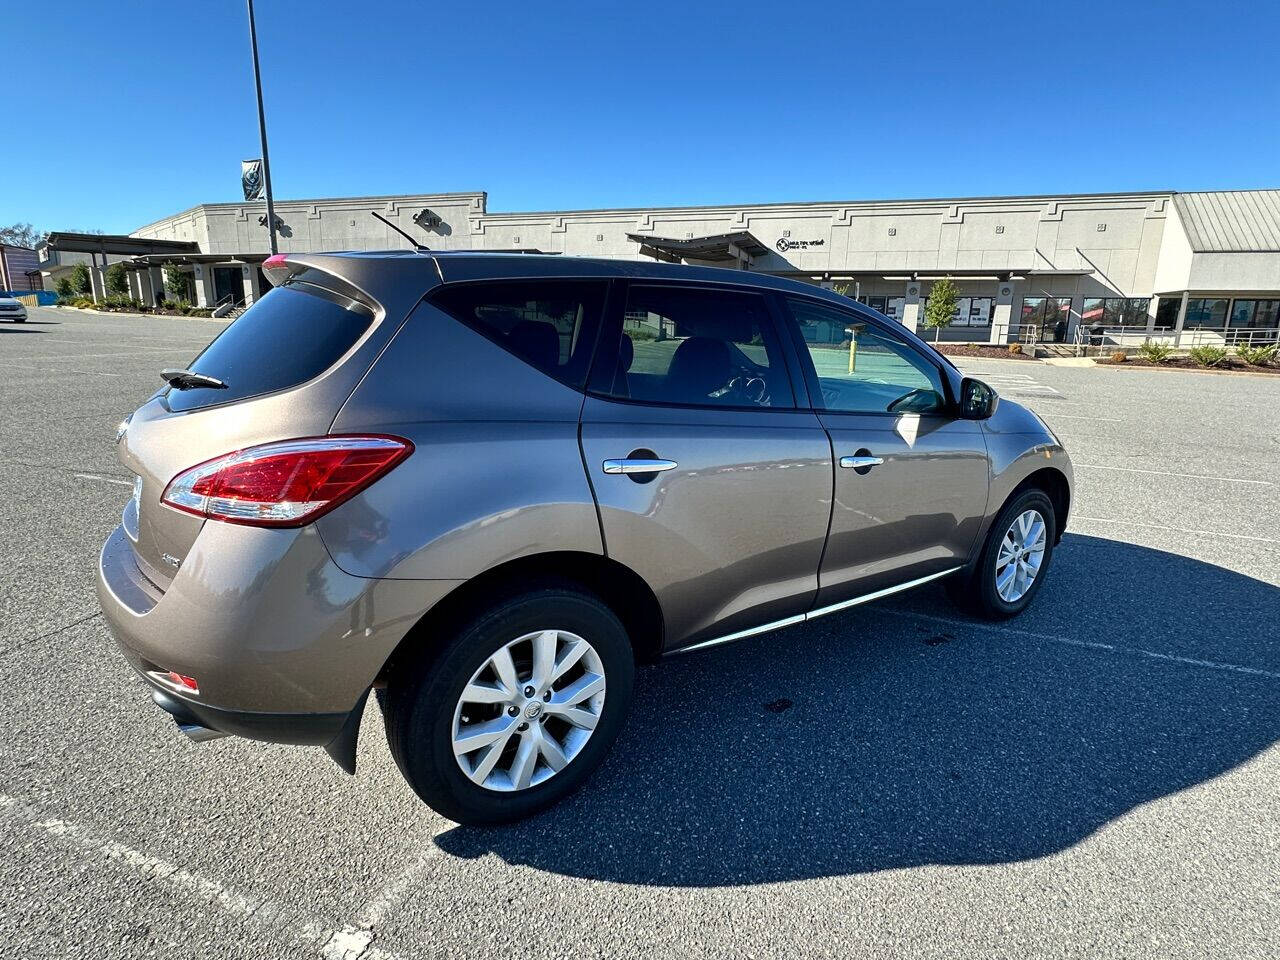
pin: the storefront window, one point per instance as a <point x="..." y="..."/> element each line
<point x="1260" y="314"/>
<point x="1210" y="313"/>
<point x="1116" y="311"/>
<point x="1167" y="312"/>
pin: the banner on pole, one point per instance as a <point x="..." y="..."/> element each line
<point x="251" y="179"/>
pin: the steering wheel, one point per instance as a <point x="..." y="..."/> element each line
<point x="750" y="388"/>
<point x="917" y="394"/>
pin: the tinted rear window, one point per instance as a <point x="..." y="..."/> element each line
<point x="286" y="338"/>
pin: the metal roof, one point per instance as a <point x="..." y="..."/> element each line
<point x="1231" y="221"/>
<point x="716" y="248"/>
<point x="116" y="243"/>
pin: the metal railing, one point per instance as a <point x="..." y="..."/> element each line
<point x="1108" y="339"/>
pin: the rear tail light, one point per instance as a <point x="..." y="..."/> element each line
<point x="182" y="680"/>
<point x="285" y="484"/>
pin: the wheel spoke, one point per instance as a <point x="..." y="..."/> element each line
<point x="484" y="766"/>
<point x="572" y="654"/>
<point x="1005" y="580"/>
<point x="544" y="658"/>
<point x="476" y="735"/>
<point x="525" y="761"/>
<point x="505" y="668"/>
<point x="586" y="686"/>
<point x="550" y="750"/>
<point x="485" y="693"/>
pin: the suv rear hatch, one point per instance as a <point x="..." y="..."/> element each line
<point x="288" y="364"/>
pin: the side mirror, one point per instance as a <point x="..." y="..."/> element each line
<point x="977" y="400"/>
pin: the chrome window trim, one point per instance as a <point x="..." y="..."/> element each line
<point x="814" y="614"/>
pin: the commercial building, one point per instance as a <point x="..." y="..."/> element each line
<point x="19" y="269"/>
<point x="1044" y="268"/>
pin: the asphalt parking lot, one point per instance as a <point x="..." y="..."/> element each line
<point x="1097" y="778"/>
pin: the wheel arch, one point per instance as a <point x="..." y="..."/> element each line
<point x="622" y="589"/>
<point x="1056" y="487"/>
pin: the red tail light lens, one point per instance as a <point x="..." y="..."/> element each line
<point x="285" y="484"/>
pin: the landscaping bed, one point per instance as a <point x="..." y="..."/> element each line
<point x="1230" y="365"/>
<point x="981" y="350"/>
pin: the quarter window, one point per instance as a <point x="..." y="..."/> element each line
<point x="866" y="370"/>
<point x="550" y="324"/>
<point x="697" y="347"/>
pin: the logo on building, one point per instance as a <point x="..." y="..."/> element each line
<point x="784" y="244"/>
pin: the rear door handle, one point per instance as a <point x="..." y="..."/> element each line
<point x="631" y="465"/>
<point x="860" y="463"/>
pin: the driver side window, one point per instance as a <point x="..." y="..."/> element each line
<point x="699" y="347"/>
<point x="862" y="370"/>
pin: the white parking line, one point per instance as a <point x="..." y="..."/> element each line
<point x="1095" y="645"/>
<point x="1066" y="416"/>
<point x="1166" y="473"/>
<point x="1159" y="526"/>
<point x="347" y="943"/>
<point x="94" y="476"/>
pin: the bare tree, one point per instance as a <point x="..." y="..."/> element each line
<point x="20" y="235"/>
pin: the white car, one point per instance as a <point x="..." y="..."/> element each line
<point x="11" y="309"/>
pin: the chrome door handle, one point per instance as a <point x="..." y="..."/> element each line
<point x="639" y="466"/>
<point x="859" y="463"/>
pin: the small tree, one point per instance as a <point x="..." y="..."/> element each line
<point x="65" y="289"/>
<point x="941" y="306"/>
<point x="175" y="281"/>
<point x="80" y="282"/>
<point x="117" y="279"/>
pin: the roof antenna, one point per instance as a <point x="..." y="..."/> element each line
<point x="416" y="245"/>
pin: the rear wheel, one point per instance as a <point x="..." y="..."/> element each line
<point x="517" y="709"/>
<point x="1014" y="559"/>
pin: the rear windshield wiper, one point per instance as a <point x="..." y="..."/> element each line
<point x="189" y="379"/>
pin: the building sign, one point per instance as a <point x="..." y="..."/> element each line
<point x="784" y="245"/>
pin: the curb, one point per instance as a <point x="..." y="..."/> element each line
<point x="137" y="316"/>
<point x="1163" y="369"/>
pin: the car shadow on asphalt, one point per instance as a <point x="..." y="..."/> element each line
<point x="903" y="735"/>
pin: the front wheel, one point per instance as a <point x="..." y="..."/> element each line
<point x="1014" y="560"/>
<point x="516" y="710"/>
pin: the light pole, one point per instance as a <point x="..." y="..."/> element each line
<point x="262" y="127"/>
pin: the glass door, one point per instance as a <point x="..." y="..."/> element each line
<point x="1045" y="319"/>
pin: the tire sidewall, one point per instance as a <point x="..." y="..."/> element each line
<point x="427" y="759"/>
<point x="995" y="604"/>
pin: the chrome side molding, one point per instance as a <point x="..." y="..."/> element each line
<point x="814" y="614"/>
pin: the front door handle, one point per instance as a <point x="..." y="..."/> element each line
<point x="635" y="465"/>
<point x="860" y="462"/>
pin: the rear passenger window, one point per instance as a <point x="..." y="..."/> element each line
<point x="550" y="324"/>
<point x="697" y="347"/>
<point x="291" y="335"/>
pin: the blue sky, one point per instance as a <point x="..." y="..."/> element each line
<point x="146" y="108"/>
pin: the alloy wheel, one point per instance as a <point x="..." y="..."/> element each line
<point x="1021" y="553"/>
<point x="529" y="710"/>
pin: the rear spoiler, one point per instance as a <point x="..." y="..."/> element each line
<point x="281" y="268"/>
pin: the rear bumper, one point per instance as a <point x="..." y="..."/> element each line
<point x="283" y="644"/>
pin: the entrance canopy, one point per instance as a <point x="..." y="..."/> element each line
<point x="741" y="245"/>
<point x="123" y="246"/>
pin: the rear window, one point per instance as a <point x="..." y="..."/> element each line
<point x="288" y="337"/>
<point x="548" y="323"/>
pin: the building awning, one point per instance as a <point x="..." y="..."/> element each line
<point x="160" y="259"/>
<point x="118" y="244"/>
<point x="935" y="273"/>
<point x="740" y="245"/>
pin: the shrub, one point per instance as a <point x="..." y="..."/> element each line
<point x="1119" y="356"/>
<point x="1154" y="351"/>
<point x="64" y="288"/>
<point x="640" y="335"/>
<point x="1208" y="356"/>
<point x="1258" y="356"/>
<point x="1015" y="348"/>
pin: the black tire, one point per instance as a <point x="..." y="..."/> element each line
<point x="420" y="703"/>
<point x="976" y="592"/>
